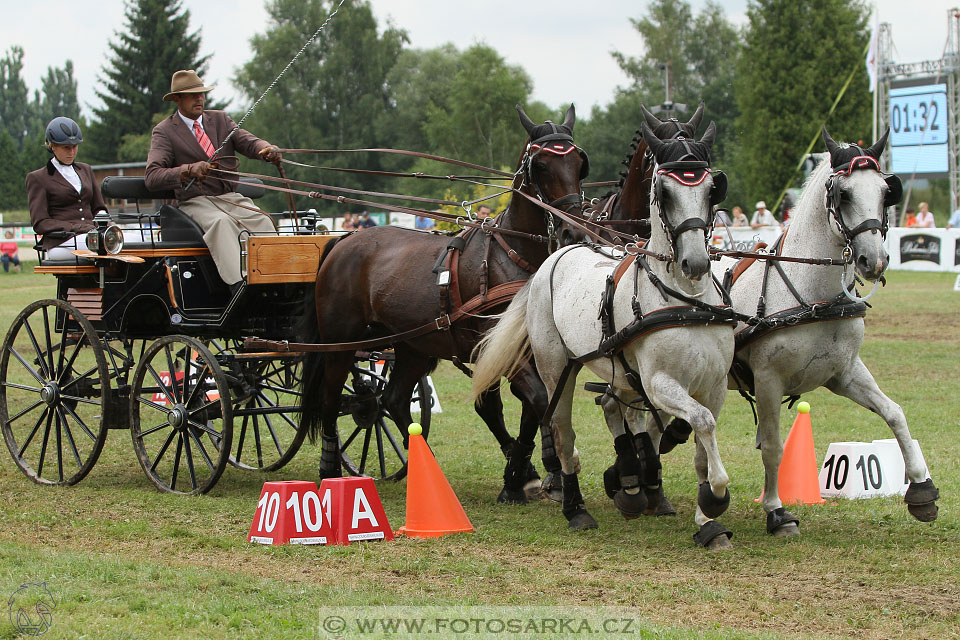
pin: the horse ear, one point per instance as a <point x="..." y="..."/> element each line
<point x="653" y="141"/>
<point x="694" y="122"/>
<point x="894" y="190"/>
<point x="525" y="120"/>
<point x="832" y="146"/>
<point x="710" y="135"/>
<point x="571" y="118"/>
<point x="877" y="147"/>
<point x="652" y="121"/>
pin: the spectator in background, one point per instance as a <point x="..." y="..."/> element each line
<point x="8" y="253"/>
<point x="911" y="220"/>
<point x="349" y="223"/>
<point x="954" y="221"/>
<point x="925" y="218"/>
<point x="365" y="222"/>
<point x="483" y="211"/>
<point x="739" y="218"/>
<point x="763" y="217"/>
<point x="423" y="223"/>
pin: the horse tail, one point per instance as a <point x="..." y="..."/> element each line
<point x="311" y="395"/>
<point x="505" y="348"/>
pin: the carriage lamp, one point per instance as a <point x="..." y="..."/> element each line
<point x="106" y="238"/>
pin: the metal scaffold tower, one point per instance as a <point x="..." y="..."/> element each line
<point x="946" y="70"/>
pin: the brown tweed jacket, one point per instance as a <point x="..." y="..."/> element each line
<point x="56" y="206"/>
<point x="173" y="145"/>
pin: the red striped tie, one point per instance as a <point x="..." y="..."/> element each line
<point x="203" y="139"/>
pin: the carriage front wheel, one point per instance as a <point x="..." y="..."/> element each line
<point x="54" y="386"/>
<point x="181" y="416"/>
<point x="371" y="443"/>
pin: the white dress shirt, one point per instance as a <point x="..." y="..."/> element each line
<point x="68" y="172"/>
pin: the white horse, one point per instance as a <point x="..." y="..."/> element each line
<point x="841" y="214"/>
<point x="670" y="333"/>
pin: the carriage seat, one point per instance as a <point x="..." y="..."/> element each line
<point x="177" y="230"/>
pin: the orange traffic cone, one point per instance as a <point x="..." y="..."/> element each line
<point x="797" y="479"/>
<point x="433" y="509"/>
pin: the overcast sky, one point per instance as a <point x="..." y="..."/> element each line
<point x="564" y="45"/>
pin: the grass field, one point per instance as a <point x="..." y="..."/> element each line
<point x="124" y="561"/>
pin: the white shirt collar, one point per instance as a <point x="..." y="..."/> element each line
<point x="187" y="121"/>
<point x="68" y="172"/>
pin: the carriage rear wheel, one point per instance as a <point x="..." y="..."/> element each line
<point x="266" y="398"/>
<point x="373" y="445"/>
<point x="53" y="393"/>
<point x="180" y="415"/>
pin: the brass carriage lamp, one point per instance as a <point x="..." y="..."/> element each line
<point x="105" y="238"/>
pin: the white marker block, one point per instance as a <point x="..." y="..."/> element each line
<point x="864" y="469"/>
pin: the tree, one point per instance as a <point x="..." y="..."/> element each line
<point x="59" y="96"/>
<point x="12" y="190"/>
<point x="478" y="123"/>
<point x="15" y="114"/>
<point x="336" y="95"/>
<point x="797" y="56"/>
<point x="701" y="54"/>
<point x="154" y="43"/>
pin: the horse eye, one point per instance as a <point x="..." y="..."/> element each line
<point x="844" y="196"/>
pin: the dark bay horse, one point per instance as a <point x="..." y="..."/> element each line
<point x="627" y="210"/>
<point x="384" y="281"/>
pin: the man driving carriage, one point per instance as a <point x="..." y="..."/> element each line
<point x="183" y="149"/>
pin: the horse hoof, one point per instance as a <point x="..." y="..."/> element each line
<point x="551" y="488"/>
<point x="782" y="523"/>
<point x="531" y="473"/>
<point x="787" y="530"/>
<point x="508" y="496"/>
<point x="924" y="512"/>
<point x="665" y="508"/>
<point x="630" y="506"/>
<point x="532" y="490"/>
<point x="581" y="521"/>
<point x="711" y="505"/>
<point x="710" y="534"/>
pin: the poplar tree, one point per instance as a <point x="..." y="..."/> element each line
<point x="154" y="42"/>
<point x="15" y="114"/>
<point x="797" y="56"/>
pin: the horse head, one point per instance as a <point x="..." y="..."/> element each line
<point x="552" y="165"/>
<point x="683" y="195"/>
<point x="858" y="195"/>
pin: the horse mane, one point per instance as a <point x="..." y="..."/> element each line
<point x="810" y="196"/>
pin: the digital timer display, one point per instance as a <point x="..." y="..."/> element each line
<point x="918" y="129"/>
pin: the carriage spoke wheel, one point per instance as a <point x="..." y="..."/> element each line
<point x="180" y="415"/>
<point x="371" y="442"/>
<point x="53" y="390"/>
<point x="266" y="396"/>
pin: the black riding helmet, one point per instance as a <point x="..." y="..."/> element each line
<point x="63" y="130"/>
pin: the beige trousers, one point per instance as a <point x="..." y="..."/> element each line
<point x="222" y="223"/>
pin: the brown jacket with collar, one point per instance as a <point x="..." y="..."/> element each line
<point x="56" y="206"/>
<point x="173" y="145"/>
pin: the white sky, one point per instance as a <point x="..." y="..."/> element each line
<point x="564" y="45"/>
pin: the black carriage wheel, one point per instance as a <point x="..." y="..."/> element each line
<point x="180" y="414"/>
<point x="266" y="394"/>
<point x="371" y="443"/>
<point x="54" y="390"/>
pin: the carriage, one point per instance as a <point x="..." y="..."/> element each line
<point x="144" y="335"/>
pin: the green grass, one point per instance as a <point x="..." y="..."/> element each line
<point x="124" y="561"/>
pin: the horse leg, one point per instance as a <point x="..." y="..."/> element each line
<point x="489" y="407"/>
<point x="336" y="369"/>
<point x="712" y="497"/>
<point x="623" y="480"/>
<point x="780" y="522"/>
<point x="858" y="384"/>
<point x="408" y="368"/>
<point x="647" y="449"/>
<point x="527" y="386"/>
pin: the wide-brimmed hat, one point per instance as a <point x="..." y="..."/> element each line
<point x="185" y="81"/>
<point x="761" y="205"/>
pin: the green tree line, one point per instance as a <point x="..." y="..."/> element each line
<point x="768" y="85"/>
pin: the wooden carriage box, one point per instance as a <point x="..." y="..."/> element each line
<point x="277" y="259"/>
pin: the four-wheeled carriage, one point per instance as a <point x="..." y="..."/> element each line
<point x="149" y="338"/>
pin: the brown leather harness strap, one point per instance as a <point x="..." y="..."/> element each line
<point x="744" y="263"/>
<point x="512" y="254"/>
<point x="499" y="294"/>
<point x="622" y="268"/>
